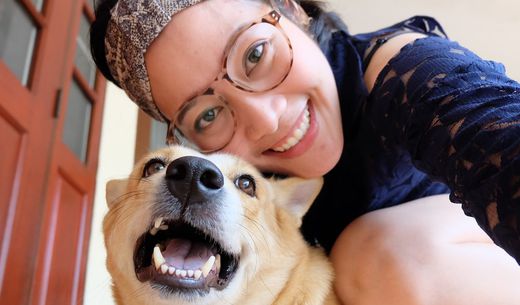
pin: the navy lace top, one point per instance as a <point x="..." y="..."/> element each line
<point x="438" y="120"/>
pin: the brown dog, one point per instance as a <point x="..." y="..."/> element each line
<point x="187" y="228"/>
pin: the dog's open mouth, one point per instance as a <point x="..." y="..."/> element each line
<point x="175" y="256"/>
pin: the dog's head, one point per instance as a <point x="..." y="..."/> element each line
<point x="187" y="228"/>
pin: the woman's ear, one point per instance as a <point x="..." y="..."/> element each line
<point x="292" y="10"/>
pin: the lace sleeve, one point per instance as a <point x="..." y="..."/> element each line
<point x="459" y="117"/>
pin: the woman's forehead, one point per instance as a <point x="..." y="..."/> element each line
<point x="188" y="54"/>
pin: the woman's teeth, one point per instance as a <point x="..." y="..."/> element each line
<point x="297" y="135"/>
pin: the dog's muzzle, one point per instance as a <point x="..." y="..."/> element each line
<point x="180" y="253"/>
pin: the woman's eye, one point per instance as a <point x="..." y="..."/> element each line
<point x="254" y="56"/>
<point x="246" y="184"/>
<point x="207" y="117"/>
<point x="152" y="167"/>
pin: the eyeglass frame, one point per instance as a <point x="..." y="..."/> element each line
<point x="273" y="18"/>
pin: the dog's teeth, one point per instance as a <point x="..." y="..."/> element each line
<point x="207" y="266"/>
<point x="217" y="263"/>
<point x="184" y="273"/>
<point x="178" y="272"/>
<point x="158" y="222"/>
<point x="158" y="258"/>
<point x="158" y="226"/>
<point x="171" y="270"/>
<point x="190" y="273"/>
<point x="197" y="274"/>
<point x="164" y="268"/>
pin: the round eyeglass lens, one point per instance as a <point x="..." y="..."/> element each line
<point x="260" y="59"/>
<point x="206" y="122"/>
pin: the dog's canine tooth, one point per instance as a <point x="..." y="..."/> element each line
<point x="217" y="262"/>
<point x="158" y="222"/>
<point x="171" y="270"/>
<point x="197" y="274"/>
<point x="207" y="266"/>
<point x="157" y="226"/>
<point x="164" y="268"/>
<point x="158" y="258"/>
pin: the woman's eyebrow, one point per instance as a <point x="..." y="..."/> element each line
<point x="234" y="36"/>
<point x="229" y="44"/>
<point x="186" y="106"/>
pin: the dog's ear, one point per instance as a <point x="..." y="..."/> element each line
<point x="296" y="194"/>
<point x="114" y="190"/>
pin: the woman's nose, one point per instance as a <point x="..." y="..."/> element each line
<point x="259" y="114"/>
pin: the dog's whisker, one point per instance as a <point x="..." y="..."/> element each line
<point x="260" y="230"/>
<point x="129" y="195"/>
<point x="249" y="237"/>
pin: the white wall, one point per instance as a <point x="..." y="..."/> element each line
<point x="116" y="160"/>
<point x="490" y="28"/>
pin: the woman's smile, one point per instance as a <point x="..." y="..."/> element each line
<point x="297" y="133"/>
<point x="300" y="137"/>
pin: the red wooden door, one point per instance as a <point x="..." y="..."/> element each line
<point x="51" y="101"/>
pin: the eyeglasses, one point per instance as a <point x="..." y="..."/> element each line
<point x="258" y="60"/>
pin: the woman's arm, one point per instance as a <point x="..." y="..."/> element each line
<point x="459" y="117"/>
<point x="422" y="252"/>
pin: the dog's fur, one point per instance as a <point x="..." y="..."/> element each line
<point x="275" y="265"/>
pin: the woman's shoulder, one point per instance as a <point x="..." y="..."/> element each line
<point x="377" y="47"/>
<point x="419" y="24"/>
<point x="368" y="43"/>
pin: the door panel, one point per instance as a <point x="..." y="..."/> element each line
<point x="46" y="189"/>
<point x="23" y="205"/>
<point x="10" y="174"/>
<point x="8" y="163"/>
<point x="66" y="236"/>
<point x="71" y="180"/>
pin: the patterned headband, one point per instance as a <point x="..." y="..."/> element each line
<point x="133" y="26"/>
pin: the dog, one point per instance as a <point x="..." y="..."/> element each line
<point x="187" y="228"/>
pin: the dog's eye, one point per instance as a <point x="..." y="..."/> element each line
<point x="153" y="166"/>
<point x="246" y="184"/>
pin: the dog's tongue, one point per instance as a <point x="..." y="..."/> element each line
<point x="186" y="254"/>
<point x="183" y="254"/>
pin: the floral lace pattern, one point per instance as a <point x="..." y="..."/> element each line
<point x="459" y="118"/>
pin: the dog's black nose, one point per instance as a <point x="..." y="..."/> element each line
<point x="193" y="179"/>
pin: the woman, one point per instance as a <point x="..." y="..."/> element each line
<point x="389" y="117"/>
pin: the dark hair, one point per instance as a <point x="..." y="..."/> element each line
<point x="98" y="31"/>
<point x="323" y="22"/>
<point x="322" y="25"/>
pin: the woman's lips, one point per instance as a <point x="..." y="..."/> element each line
<point x="301" y="137"/>
<point x="297" y="134"/>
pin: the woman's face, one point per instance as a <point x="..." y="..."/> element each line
<point x="271" y="129"/>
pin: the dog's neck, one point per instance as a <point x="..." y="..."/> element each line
<point x="295" y="274"/>
<point x="310" y="282"/>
